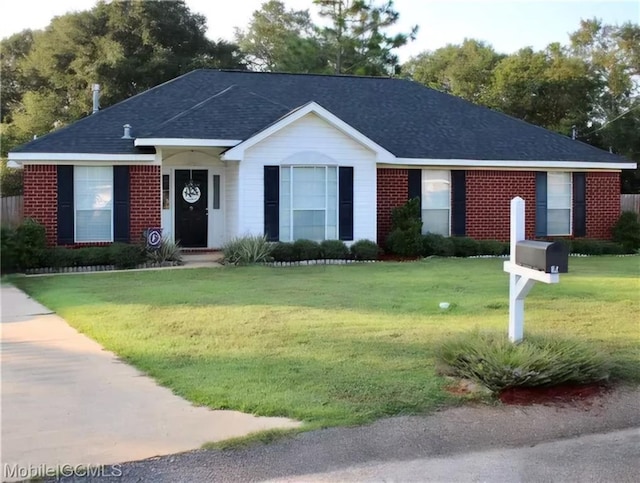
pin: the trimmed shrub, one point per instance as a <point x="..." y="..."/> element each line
<point x="586" y="246"/>
<point x="436" y="245"/>
<point x="125" y="255"/>
<point x="8" y="255"/>
<point x="626" y="231"/>
<point x="492" y="247"/>
<point x="613" y="248"/>
<point x="247" y="250"/>
<point x="168" y="251"/>
<point x="306" y="249"/>
<point x="120" y="255"/>
<point x="404" y="243"/>
<point x="492" y="360"/>
<point x="365" y="250"/>
<point x="91" y="256"/>
<point x="30" y="241"/>
<point x="66" y="257"/>
<point x="565" y="241"/>
<point x="405" y="238"/>
<point x="334" y="250"/>
<point x="283" y="252"/>
<point x="464" y="246"/>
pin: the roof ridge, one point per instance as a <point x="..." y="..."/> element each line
<point x="197" y="105"/>
<point x="304" y="74"/>
<point x="272" y="101"/>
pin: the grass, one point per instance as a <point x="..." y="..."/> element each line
<point x="332" y="345"/>
<point x="264" y="437"/>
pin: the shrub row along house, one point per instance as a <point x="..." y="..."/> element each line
<point x="213" y="154"/>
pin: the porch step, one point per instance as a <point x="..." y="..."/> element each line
<point x="201" y="256"/>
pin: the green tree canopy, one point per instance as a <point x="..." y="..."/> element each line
<point x="356" y="37"/>
<point x="126" y="46"/>
<point x="14" y="83"/>
<point x="591" y="84"/>
<point x="281" y="40"/>
<point x="612" y="53"/>
<point x="462" y="70"/>
<point x="547" y="88"/>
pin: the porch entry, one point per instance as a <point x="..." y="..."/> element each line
<point x="191" y="207"/>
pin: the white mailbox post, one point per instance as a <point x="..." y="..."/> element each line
<point x="521" y="279"/>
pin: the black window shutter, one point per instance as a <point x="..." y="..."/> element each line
<point x="458" y="203"/>
<point x="541" y="204"/>
<point x="579" y="204"/>
<point x="415" y="184"/>
<point x="65" y="205"/>
<point x="121" y="204"/>
<point x="272" y="202"/>
<point x="345" y="203"/>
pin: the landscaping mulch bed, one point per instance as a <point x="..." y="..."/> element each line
<point x="553" y="395"/>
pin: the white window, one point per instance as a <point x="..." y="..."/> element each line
<point x="436" y="201"/>
<point x="308" y="203"/>
<point x="93" y="194"/>
<point x="558" y="203"/>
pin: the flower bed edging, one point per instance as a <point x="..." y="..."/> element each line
<point x="316" y="262"/>
<point x="96" y="268"/>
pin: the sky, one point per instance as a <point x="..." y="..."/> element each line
<point x="507" y="25"/>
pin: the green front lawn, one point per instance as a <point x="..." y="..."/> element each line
<point x="331" y="345"/>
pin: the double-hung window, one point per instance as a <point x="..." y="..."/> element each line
<point x="436" y="201"/>
<point x="559" y="203"/>
<point x="308" y="203"/>
<point x="93" y="194"/>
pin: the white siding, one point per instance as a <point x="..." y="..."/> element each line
<point x="309" y="135"/>
<point x="231" y="181"/>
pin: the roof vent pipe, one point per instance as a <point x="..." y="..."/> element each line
<point x="127" y="131"/>
<point x="574" y="132"/>
<point x="96" y="97"/>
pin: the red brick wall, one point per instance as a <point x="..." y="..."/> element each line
<point x="489" y="195"/>
<point x="41" y="198"/>
<point x="145" y="190"/>
<point x="393" y="190"/>
<point x="603" y="204"/>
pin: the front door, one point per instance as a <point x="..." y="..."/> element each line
<point x="191" y="207"/>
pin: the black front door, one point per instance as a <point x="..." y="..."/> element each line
<point x="191" y="207"/>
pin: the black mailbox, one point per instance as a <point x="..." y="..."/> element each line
<point x="545" y="256"/>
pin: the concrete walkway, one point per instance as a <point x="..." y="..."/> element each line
<point x="65" y="400"/>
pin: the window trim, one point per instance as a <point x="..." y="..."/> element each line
<point x="422" y="193"/>
<point x="167" y="177"/>
<point x="75" y="208"/>
<point x="291" y="210"/>
<point x="570" y="175"/>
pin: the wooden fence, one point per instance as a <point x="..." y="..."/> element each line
<point x="630" y="203"/>
<point x="11" y="210"/>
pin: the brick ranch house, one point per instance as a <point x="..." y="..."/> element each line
<point x="213" y="154"/>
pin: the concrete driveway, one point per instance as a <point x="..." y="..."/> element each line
<point x="67" y="401"/>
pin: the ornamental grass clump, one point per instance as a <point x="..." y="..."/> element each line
<point x="247" y="250"/>
<point x="168" y="251"/>
<point x="498" y="364"/>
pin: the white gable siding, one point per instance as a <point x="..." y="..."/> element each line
<point x="232" y="199"/>
<point x="307" y="135"/>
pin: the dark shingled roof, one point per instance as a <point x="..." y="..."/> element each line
<point x="404" y="117"/>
